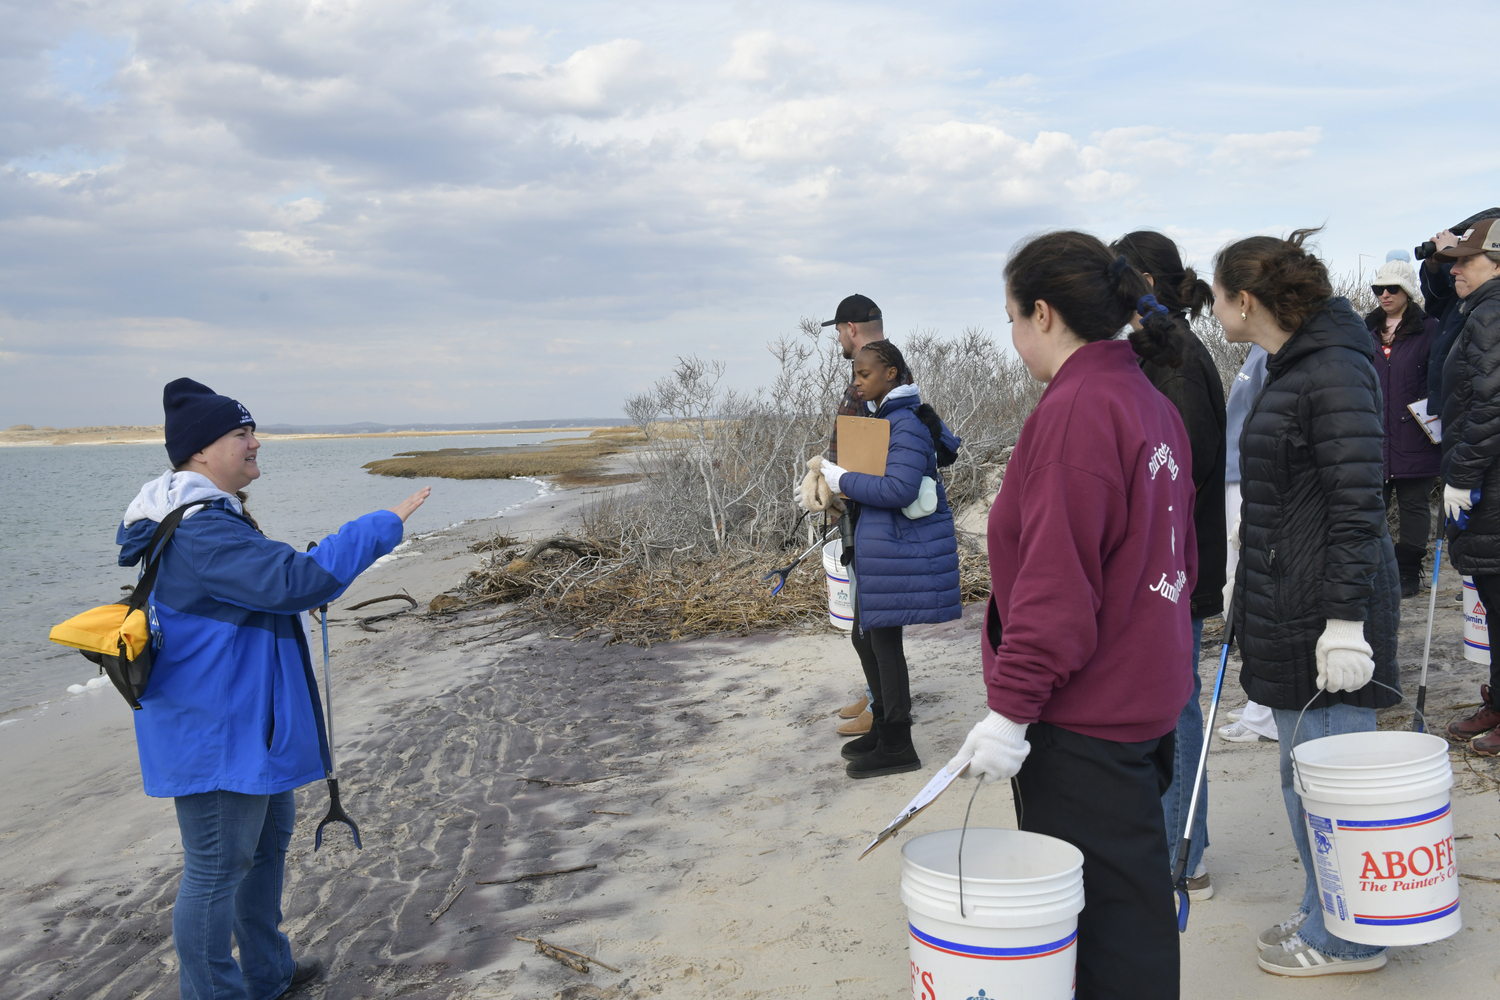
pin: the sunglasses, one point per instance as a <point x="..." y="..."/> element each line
<point x="1386" y="289"/>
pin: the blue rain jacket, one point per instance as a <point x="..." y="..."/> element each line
<point x="906" y="571"/>
<point x="232" y="703"/>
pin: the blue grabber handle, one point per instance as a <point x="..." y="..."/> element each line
<point x="1462" y="520"/>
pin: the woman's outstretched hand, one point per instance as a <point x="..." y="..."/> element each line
<point x="407" y="507"/>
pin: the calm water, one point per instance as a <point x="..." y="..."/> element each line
<point x="62" y="506"/>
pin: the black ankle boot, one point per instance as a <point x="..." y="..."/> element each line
<point x="894" y="754"/>
<point x="861" y="745"/>
<point x="1409" y="559"/>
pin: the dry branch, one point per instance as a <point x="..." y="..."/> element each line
<point x="545" y="874"/>
<point x="379" y="600"/>
<point x="567" y="784"/>
<point x="444" y="908"/>
<point x="558" y="952"/>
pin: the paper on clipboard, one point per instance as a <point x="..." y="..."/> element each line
<point x="926" y="797"/>
<point x="1432" y="424"/>
<point x="864" y="443"/>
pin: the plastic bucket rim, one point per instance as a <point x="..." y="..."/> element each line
<point x="1065" y="874"/>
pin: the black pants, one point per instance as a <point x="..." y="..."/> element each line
<point x="1104" y="798"/>
<point x="1489" y="596"/>
<point x="884" y="663"/>
<point x="1414" y="496"/>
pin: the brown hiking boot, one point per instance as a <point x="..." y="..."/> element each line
<point x="1482" y="721"/>
<point x="1487" y="745"/>
<point x="854" y="708"/>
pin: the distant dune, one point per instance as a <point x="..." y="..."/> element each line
<point x="25" y="434"/>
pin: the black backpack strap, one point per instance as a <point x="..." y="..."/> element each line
<point x="159" y="540"/>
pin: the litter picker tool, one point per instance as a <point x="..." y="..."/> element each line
<point x="336" y="812"/>
<point x="1419" y="720"/>
<point x="781" y="574"/>
<point x="1185" y="844"/>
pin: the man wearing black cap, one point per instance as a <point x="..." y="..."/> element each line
<point x="858" y="322"/>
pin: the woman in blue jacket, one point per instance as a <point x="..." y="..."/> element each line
<point x="905" y="567"/>
<point x="230" y="722"/>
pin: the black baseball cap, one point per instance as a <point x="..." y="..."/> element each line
<point x="855" y="309"/>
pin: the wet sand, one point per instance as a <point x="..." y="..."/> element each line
<point x="734" y="874"/>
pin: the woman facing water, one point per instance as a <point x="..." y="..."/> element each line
<point x="230" y="722"/>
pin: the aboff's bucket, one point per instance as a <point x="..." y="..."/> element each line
<point x="840" y="591"/>
<point x="1381" y="832"/>
<point x="1476" y="625"/>
<point x="1018" y="935"/>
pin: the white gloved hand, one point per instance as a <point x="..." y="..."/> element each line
<point x="1456" y="500"/>
<point x="998" y="747"/>
<point x="797" y="495"/>
<point x="1345" y="660"/>
<point x="1234" y="536"/>
<point x="1228" y="594"/>
<point x="832" y="474"/>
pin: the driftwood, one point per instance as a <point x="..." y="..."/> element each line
<point x="378" y="600"/>
<point x="444" y="908"/>
<point x="1478" y="878"/>
<point x="567" y="784"/>
<point x="577" y="546"/>
<point x="561" y="954"/>
<point x="606" y="812"/>
<point x="545" y="874"/>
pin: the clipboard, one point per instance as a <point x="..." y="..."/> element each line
<point x="864" y="443"/>
<point x="1431" y="424"/>
<point x="926" y="797"/>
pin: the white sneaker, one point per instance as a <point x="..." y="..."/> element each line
<point x="1234" y="714"/>
<point x="1295" y="957"/>
<point x="1238" y="732"/>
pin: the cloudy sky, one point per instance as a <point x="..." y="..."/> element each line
<point x="392" y="210"/>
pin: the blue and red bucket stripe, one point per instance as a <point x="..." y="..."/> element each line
<point x="1409" y="918"/>
<point x="1403" y="823"/>
<point x="993" y="954"/>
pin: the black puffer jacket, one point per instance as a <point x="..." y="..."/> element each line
<point x="1471" y="428"/>
<point x="1314" y="543"/>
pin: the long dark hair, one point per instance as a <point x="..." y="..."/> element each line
<point x="1411" y="320"/>
<point x="1095" y="292"/>
<point x="1176" y="287"/>
<point x="1290" y="282"/>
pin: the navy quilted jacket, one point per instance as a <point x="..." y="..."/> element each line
<point x="906" y="571"/>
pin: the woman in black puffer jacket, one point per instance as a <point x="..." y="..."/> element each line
<point x="1471" y="448"/>
<point x="1317" y="595"/>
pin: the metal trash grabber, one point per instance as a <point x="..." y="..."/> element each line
<point x="336" y="812"/>
<point x="783" y="571"/>
<point x="1419" y="721"/>
<point x="1185" y="843"/>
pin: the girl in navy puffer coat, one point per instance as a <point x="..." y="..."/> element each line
<point x="905" y="567"/>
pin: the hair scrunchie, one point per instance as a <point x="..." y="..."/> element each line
<point x="1147" y="304"/>
<point x="1117" y="268"/>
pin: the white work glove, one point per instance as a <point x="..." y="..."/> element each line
<point x="1456" y="500"/>
<point x="998" y="747"/>
<point x="832" y="474"/>
<point x="1228" y="594"/>
<point x="797" y="495"/>
<point x="1234" y="536"/>
<point x="1344" y="658"/>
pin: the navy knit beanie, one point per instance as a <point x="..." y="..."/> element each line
<point x="197" y="417"/>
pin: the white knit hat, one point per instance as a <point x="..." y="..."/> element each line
<point x="1399" y="272"/>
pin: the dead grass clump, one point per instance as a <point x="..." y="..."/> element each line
<point x="575" y="457"/>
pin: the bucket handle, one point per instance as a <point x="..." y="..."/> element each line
<point x="1295" y="729"/>
<point x="961" y="835"/>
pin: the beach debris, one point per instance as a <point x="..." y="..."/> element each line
<point x="403" y="596"/>
<point x="567" y="784"/>
<point x="1479" y="878"/>
<point x="545" y="874"/>
<point x="444" y="908"/>
<point x="444" y="603"/>
<point x="606" y="812"/>
<point x="579" y="962"/>
<point x="577" y="546"/>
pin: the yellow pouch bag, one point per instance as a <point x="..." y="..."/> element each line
<point x="118" y="636"/>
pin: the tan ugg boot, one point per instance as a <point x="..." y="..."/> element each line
<point x="859" y="725"/>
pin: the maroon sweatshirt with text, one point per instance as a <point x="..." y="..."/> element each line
<point x="1093" y="557"/>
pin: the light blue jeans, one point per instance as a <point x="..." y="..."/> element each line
<point x="234" y="856"/>
<point x="1189" y="740"/>
<point x="1317" y="723"/>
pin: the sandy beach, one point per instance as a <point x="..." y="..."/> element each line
<point x="703" y="781"/>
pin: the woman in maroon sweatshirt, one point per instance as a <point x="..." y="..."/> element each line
<point x="1088" y="633"/>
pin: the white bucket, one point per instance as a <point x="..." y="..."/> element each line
<point x="1018" y="935"/>
<point x="1381" y="832"/>
<point x="840" y="593"/>
<point x="1476" y="625"/>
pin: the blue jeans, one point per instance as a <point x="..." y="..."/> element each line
<point x="1317" y="723"/>
<point x="234" y="855"/>
<point x="1174" y="804"/>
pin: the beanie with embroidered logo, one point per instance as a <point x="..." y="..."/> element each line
<point x="197" y="417"/>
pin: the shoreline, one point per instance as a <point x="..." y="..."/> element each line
<point x="52" y="439"/>
<point x="710" y="796"/>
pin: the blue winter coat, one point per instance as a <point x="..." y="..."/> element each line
<point x="232" y="703"/>
<point x="905" y="571"/>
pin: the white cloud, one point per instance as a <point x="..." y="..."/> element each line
<point x="299" y="248"/>
<point x="1267" y="148"/>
